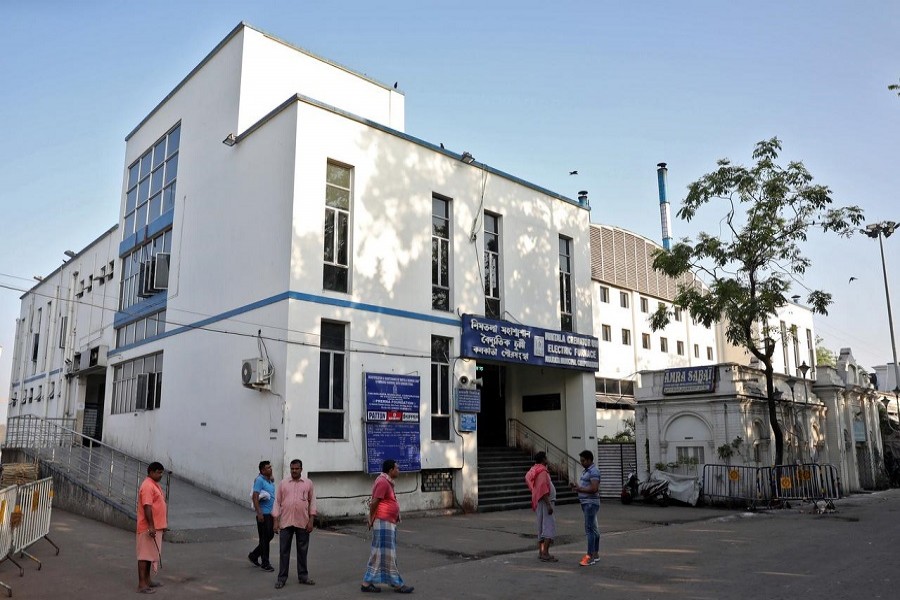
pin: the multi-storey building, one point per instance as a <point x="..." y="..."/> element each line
<point x="295" y="276"/>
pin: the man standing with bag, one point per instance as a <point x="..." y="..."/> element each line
<point x="263" y="501"/>
<point x="151" y="522"/>
<point x="295" y="513"/>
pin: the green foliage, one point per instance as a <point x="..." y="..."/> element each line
<point x="824" y="356"/>
<point x="750" y="262"/>
<point x="895" y="87"/>
<point x="622" y="437"/>
<point x="661" y="466"/>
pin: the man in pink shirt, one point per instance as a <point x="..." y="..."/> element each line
<point x="295" y="513"/>
<point x="151" y="522"/>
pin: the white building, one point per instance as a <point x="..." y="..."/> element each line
<point x="352" y="264"/>
<point x="626" y="290"/>
<point x="63" y="330"/>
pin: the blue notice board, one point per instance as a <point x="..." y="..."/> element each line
<point x="468" y="422"/>
<point x="392" y="421"/>
<point x="468" y="400"/>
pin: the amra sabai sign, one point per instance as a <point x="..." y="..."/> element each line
<point x="690" y="380"/>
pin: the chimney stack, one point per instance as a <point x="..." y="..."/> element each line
<point x="665" y="211"/>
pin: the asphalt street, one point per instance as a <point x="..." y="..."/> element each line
<point x="647" y="552"/>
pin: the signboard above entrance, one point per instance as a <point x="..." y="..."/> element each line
<point x="690" y="380"/>
<point x="507" y="342"/>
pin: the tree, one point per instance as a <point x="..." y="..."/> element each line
<point x="824" y="356"/>
<point x="749" y="265"/>
<point x="895" y="87"/>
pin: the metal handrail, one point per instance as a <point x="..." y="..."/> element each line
<point x="526" y="438"/>
<point x="111" y="472"/>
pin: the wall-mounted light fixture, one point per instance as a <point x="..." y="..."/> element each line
<point x="69" y="253"/>
<point x="230" y="140"/>
<point x="467" y="158"/>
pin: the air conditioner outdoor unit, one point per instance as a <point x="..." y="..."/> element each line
<point x="255" y="372"/>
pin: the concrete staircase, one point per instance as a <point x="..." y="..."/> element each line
<point x="501" y="480"/>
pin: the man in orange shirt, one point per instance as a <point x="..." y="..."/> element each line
<point x="295" y="513"/>
<point x="151" y="522"/>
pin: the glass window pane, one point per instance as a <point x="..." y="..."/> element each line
<point x="140" y="217"/>
<point x="143" y="191"/>
<point x="329" y="236"/>
<point x="155" y="207"/>
<point x="130" y="200"/>
<point x="146" y="161"/>
<point x="337" y="197"/>
<point x="139" y="330"/>
<point x="168" y="198"/>
<point x="156" y="181"/>
<point x="332" y="336"/>
<point x="324" y="379"/>
<point x="174" y="140"/>
<point x="338" y="383"/>
<point x="159" y="153"/>
<point x="133" y="172"/>
<point x="337" y="175"/>
<point x="171" y="169"/>
<point x="342" y="246"/>
<point x="128" y="228"/>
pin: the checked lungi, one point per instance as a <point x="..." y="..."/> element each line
<point x="382" y="567"/>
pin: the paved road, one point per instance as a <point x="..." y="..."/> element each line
<point x="647" y="552"/>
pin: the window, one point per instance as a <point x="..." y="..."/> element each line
<point x="677" y="314"/>
<point x="607" y="333"/>
<point x="784" y="348"/>
<point x="689" y="455"/>
<point x="491" y="266"/>
<point x="63" y="330"/>
<point x="52" y="392"/>
<point x="696" y="351"/>
<point x="137" y="384"/>
<point x="142" y="267"/>
<point x="810" y="351"/>
<point x="35" y="341"/>
<point x="645" y="341"/>
<point x="623" y="299"/>
<point x="604" y="294"/>
<point x="679" y="348"/>
<point x="565" y="284"/>
<point x="337" y="228"/>
<point x="645" y="305"/>
<point x="626" y="337"/>
<point x="709" y="353"/>
<point x="663" y="344"/>
<point x="332" y="381"/>
<point x="142" y="329"/>
<point x="440" y="253"/>
<point x="796" y="343"/>
<point x="150" y="190"/>
<point x="440" y="388"/>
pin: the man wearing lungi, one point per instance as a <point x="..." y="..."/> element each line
<point x="151" y="522"/>
<point x="384" y="514"/>
<point x="543" y="499"/>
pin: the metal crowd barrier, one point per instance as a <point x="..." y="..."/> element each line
<point x="35" y="502"/>
<point x="771" y="485"/>
<point x="7" y="505"/>
<point x="726" y="483"/>
<point x="807" y="482"/>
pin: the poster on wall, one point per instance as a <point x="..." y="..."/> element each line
<point x="392" y="421"/>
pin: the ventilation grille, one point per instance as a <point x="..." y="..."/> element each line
<point x="625" y="260"/>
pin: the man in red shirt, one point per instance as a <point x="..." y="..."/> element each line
<point x="294" y="513"/>
<point x="384" y="514"/>
<point x="151" y="522"/>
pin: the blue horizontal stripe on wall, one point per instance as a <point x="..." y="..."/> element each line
<point x="312" y="298"/>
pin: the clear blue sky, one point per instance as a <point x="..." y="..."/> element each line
<point x="536" y="89"/>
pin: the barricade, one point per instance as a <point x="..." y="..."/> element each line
<point x="729" y="484"/>
<point x="7" y="505"/>
<point x="771" y="485"/>
<point x="34" y="501"/>
<point x="806" y="482"/>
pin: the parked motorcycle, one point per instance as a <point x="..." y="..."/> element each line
<point x="652" y="490"/>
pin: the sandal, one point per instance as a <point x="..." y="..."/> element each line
<point x="404" y="589"/>
<point x="549" y="558"/>
<point x="146" y="590"/>
<point x="370" y="587"/>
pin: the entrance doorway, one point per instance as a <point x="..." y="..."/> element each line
<point x="492" y="419"/>
<point x="92" y="425"/>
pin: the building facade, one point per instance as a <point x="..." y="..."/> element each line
<point x="299" y="278"/>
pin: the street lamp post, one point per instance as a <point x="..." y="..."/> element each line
<point x="884" y="230"/>
<point x="804" y="369"/>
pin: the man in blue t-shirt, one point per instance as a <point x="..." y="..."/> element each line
<point x="588" y="488"/>
<point x="263" y="501"/>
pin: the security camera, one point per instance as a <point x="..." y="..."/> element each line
<point x="478" y="382"/>
<point x="463" y="380"/>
